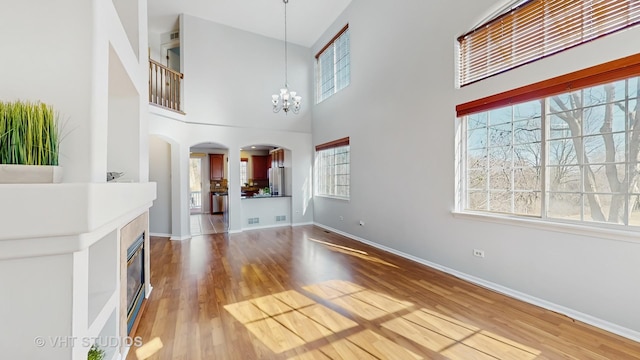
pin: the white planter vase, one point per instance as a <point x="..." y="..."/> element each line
<point x="30" y="174"/>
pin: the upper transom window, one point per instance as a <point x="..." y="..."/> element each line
<point x="533" y="29"/>
<point x="333" y="66"/>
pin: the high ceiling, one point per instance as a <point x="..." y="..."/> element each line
<point x="306" y="19"/>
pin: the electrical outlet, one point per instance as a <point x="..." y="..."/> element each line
<point x="478" y="253"/>
<point x="361" y="223"/>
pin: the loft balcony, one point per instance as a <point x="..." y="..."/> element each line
<point x="165" y="87"/>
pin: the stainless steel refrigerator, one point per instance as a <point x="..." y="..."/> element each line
<point x="276" y="181"/>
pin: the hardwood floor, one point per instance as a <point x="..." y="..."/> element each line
<point x="304" y="293"/>
<point x="205" y="224"/>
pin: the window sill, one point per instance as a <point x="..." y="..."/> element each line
<point x="333" y="197"/>
<point x="603" y="231"/>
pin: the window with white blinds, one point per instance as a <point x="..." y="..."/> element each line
<point x="333" y="66"/>
<point x="536" y="29"/>
<point x="332" y="169"/>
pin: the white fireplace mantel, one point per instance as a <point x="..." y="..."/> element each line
<point x="60" y="258"/>
<point x="72" y="209"/>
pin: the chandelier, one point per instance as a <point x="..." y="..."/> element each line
<point x="286" y="100"/>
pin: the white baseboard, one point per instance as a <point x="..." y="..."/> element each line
<point x="303" y="224"/>
<point x="266" y="227"/>
<point x="180" y="238"/>
<point x="577" y="315"/>
<point x="159" y="234"/>
<point x="270" y="226"/>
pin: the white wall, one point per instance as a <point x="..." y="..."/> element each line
<point x="160" y="173"/>
<point x="186" y="135"/>
<point x="231" y="74"/>
<point x="128" y="12"/>
<point x="123" y="126"/>
<point x="229" y="77"/>
<point x="62" y="79"/>
<point x="155" y="47"/>
<point x="265" y="210"/>
<point x="75" y="78"/>
<point x="68" y="53"/>
<point x="56" y="289"/>
<point x="400" y="114"/>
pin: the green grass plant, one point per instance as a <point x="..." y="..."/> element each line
<point x="95" y="353"/>
<point x="28" y="133"/>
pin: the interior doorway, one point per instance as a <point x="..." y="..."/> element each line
<point x="208" y="189"/>
<point x="173" y="58"/>
<point x="195" y="185"/>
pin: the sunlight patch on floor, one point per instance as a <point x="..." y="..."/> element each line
<point x="353" y="252"/>
<point x="289" y="322"/>
<point x="288" y="319"/>
<point x="455" y="339"/>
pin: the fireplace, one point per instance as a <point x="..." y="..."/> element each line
<point x="135" y="280"/>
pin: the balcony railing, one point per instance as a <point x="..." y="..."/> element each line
<point x="196" y="200"/>
<point x="164" y="86"/>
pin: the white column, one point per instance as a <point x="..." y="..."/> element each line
<point x="180" y="229"/>
<point x="233" y="176"/>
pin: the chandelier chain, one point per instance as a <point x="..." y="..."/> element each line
<point x="286" y="80"/>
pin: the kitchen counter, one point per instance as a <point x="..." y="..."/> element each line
<point x="265" y="196"/>
<point x="276" y="211"/>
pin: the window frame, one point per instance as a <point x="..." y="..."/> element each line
<point x="245" y="172"/>
<point x="330" y="146"/>
<point x="332" y="44"/>
<point x="616" y="70"/>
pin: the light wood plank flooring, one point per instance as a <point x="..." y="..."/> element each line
<point x="304" y="293"/>
<point x="205" y="224"/>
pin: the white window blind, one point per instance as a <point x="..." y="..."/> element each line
<point x="333" y="65"/>
<point x="332" y="169"/>
<point x="537" y="29"/>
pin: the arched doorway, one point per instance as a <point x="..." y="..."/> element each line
<point x="265" y="180"/>
<point x="208" y="189"/>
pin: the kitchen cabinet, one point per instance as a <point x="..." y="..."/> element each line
<point x="216" y="166"/>
<point x="260" y="167"/>
<point x="277" y="157"/>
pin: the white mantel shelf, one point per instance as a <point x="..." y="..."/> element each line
<point x="45" y="219"/>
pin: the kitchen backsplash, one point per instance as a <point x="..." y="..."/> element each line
<point x="219" y="185"/>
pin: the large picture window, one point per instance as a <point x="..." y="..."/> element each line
<point x="332" y="169"/>
<point x="333" y="65"/>
<point x="504" y="159"/>
<point x="573" y="155"/>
